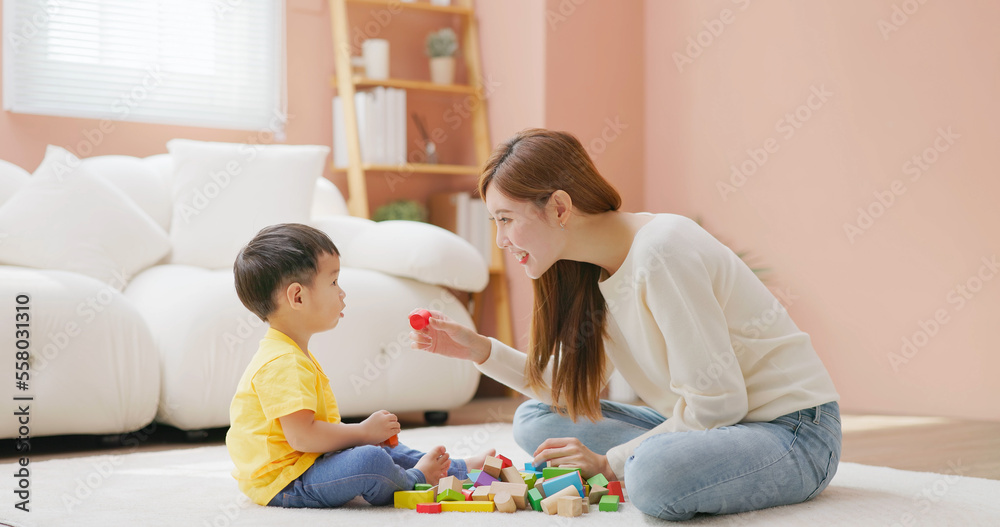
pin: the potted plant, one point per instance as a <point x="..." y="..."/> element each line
<point x="441" y="47"/>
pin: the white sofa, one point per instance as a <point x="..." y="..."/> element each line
<point x="170" y="342"/>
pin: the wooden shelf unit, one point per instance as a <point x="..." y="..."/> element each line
<point x="347" y="83"/>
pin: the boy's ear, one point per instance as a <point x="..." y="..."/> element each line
<point x="293" y="295"/>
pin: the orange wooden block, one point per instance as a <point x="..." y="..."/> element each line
<point x="394" y="440"/>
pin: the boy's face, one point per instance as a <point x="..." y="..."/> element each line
<point x="326" y="298"/>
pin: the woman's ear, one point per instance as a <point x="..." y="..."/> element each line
<point x="560" y="207"/>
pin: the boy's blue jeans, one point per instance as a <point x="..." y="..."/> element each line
<point x="372" y="472"/>
<point x="738" y="468"/>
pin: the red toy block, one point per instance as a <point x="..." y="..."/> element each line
<point x="420" y="319"/>
<point x="506" y="462"/>
<point x="468" y="494"/>
<point x="393" y="441"/>
<point x="615" y="489"/>
<point x="429" y="507"/>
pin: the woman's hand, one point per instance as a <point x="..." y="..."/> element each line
<point x="379" y="427"/>
<point x="570" y="452"/>
<point x="446" y="337"/>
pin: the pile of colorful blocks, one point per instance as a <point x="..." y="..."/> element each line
<point x="498" y="486"/>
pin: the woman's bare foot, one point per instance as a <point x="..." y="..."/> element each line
<point x="477" y="461"/>
<point x="434" y="464"/>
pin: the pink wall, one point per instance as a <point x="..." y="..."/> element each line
<point x="887" y="96"/>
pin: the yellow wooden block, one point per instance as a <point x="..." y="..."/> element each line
<point x="408" y="499"/>
<point x="467" y="506"/>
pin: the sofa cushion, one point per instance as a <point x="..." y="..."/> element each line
<point x="67" y="218"/>
<point x="137" y="180"/>
<point x="420" y="251"/>
<point x="11" y="179"/>
<point x="224" y="193"/>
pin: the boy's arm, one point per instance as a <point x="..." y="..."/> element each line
<point x="305" y="434"/>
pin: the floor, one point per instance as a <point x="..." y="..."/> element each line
<point x="923" y="444"/>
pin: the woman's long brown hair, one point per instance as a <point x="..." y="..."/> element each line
<point x="567" y="326"/>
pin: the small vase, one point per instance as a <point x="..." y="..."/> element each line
<point x="443" y="70"/>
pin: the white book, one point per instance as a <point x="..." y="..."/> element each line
<point x="401" y="119"/>
<point x="462" y="215"/>
<point x="392" y="125"/>
<point x="361" y="112"/>
<point x="339" y="139"/>
<point x="378" y="124"/>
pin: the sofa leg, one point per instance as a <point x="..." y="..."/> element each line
<point x="195" y="436"/>
<point x="436" y="418"/>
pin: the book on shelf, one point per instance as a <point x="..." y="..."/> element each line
<point x="466" y="216"/>
<point x="381" y="114"/>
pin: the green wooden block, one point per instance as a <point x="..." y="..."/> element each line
<point x="450" y="495"/>
<point x="598" y="481"/>
<point x="608" y="504"/>
<point x="529" y="479"/>
<point x="422" y="486"/>
<point x="467" y="485"/>
<point x="551" y="472"/>
<point x="535" y="499"/>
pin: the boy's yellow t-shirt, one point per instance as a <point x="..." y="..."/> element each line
<point x="280" y="380"/>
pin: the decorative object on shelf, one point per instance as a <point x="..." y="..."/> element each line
<point x="430" y="149"/>
<point x="376" y="55"/>
<point x="403" y="209"/>
<point x="441" y="2"/>
<point x="441" y="47"/>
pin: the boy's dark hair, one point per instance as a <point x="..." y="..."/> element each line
<point x="277" y="256"/>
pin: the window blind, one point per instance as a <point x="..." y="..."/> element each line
<point x="211" y="63"/>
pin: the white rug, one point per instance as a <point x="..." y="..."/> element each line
<point x="192" y="487"/>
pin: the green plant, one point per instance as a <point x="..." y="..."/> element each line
<point x="442" y="43"/>
<point x="401" y="210"/>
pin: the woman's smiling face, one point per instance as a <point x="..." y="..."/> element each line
<point x="524" y="230"/>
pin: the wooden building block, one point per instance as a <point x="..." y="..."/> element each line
<point x="430" y="508"/>
<point x="553" y="485"/>
<point x="485" y="480"/>
<point x="596" y="493"/>
<point x="535" y="499"/>
<point x="539" y="485"/>
<point x="550" y="505"/>
<point x="393" y="441"/>
<point x="449" y="495"/>
<point x="504" y="502"/>
<point x="468" y="494"/>
<point x="510" y="475"/>
<point x="467" y="506"/>
<point x="449" y="483"/>
<point x="529" y="479"/>
<point x="408" y="499"/>
<point x="552" y="472"/>
<point x="615" y="489"/>
<point x="492" y="466"/>
<point x="481" y="494"/>
<point x="473" y="475"/>
<point x="598" y="480"/>
<point x="531" y="467"/>
<point x="504" y="462"/>
<point x="422" y="486"/>
<point x="518" y="491"/>
<point x="608" y="503"/>
<point x="570" y="506"/>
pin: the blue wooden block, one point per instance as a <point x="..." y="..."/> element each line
<point x="554" y="485"/>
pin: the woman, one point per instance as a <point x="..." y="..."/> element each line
<point x="742" y="415"/>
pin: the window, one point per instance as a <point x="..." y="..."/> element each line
<point x="213" y="63"/>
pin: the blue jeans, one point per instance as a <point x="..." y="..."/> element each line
<point x="370" y="471"/>
<point x="673" y="476"/>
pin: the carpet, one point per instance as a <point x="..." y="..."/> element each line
<point x="192" y="487"/>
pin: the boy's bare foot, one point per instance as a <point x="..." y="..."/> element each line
<point x="434" y="464"/>
<point x="477" y="461"/>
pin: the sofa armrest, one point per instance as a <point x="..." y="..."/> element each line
<point x="419" y="251"/>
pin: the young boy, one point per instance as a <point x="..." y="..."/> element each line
<point x="286" y="437"/>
